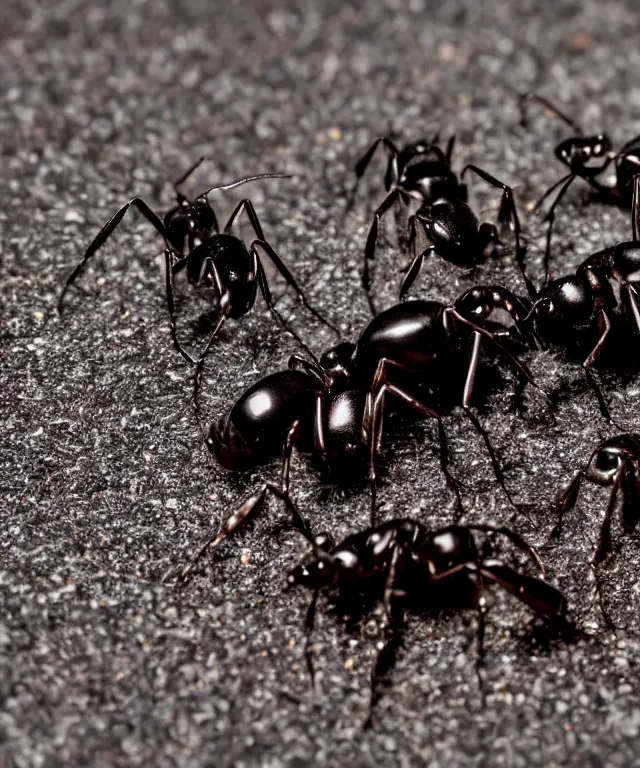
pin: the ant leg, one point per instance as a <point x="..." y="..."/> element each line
<point x="472" y="368"/>
<point x="567" y="502"/>
<point x="412" y="272"/>
<point x="309" y="624"/>
<point x="604" y="538"/>
<point x="604" y="547"/>
<point x="515" y="539"/>
<point x="507" y="213"/>
<point x="181" y="198"/>
<point x="266" y="294"/>
<point x="449" y="150"/>
<point x="319" y="442"/>
<point x="242" y="513"/>
<point x="282" y="269"/>
<point x="550" y="217"/>
<point x="386" y="656"/>
<point x="630" y="492"/>
<point x="536" y="593"/>
<point x="372" y="238"/>
<point x="525" y="97"/>
<point x="104" y="234"/>
<point x="588" y="364"/>
<point x="170" y="269"/>
<point x="363" y="163"/>
<point x="514" y="363"/>
<point x="380" y="388"/>
<point x="635" y="207"/>
<point x="312" y="367"/>
<point x="497" y="469"/>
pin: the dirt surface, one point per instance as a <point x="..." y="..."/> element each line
<point x="105" y="484"/>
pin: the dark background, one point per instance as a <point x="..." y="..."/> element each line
<point x="105" y="485"/>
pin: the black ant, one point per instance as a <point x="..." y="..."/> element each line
<point x="423" y="171"/>
<point x="411" y="568"/>
<point x="210" y="257"/>
<point x="614" y="463"/>
<point x="570" y="309"/>
<point x="334" y="408"/>
<point x="576" y="153"/>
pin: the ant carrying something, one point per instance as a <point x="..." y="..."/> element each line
<point x="212" y="258"/>
<point x="423" y="171"/>
<point x="334" y="408"/>
<point x="577" y="154"/>
<point x="614" y="463"/>
<point x="411" y="568"/>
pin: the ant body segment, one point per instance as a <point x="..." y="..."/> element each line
<point x="411" y="568"/>
<point x="334" y="408"/>
<point x="422" y="171"/>
<point x="210" y="257"/>
<point x="577" y="154"/>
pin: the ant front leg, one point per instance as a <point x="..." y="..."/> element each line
<point x="386" y="656"/>
<point x="567" y="501"/>
<point x="373" y="426"/>
<point x="253" y="503"/>
<point x="282" y="269"/>
<point x="413" y="271"/>
<point x="363" y="163"/>
<point x="372" y="238"/>
<point x="507" y="216"/>
<point x="105" y="233"/>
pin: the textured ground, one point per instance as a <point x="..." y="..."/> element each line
<point x="105" y="485"/>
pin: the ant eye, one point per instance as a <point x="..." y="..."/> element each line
<point x="606" y="461"/>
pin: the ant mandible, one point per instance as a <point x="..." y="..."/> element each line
<point x="334" y="408"/>
<point x="422" y="171"/>
<point x="195" y="243"/>
<point x="411" y="568"/>
<point x="576" y="153"/>
<point x="614" y="463"/>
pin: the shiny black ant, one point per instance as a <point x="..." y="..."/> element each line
<point x="577" y="154"/>
<point x="411" y="568"/>
<point x="210" y="257"/>
<point x="423" y="171"/>
<point x="334" y="408"/>
<point x="614" y="463"/>
<point x="571" y="309"/>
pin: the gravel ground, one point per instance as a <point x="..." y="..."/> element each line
<point x="105" y="484"/>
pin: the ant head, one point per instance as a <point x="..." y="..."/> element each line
<point x="229" y="447"/>
<point x="494" y="303"/>
<point x="336" y="361"/>
<point x="578" y="150"/>
<point x="567" y="302"/>
<point x="188" y="222"/>
<point x="607" y="460"/>
<point x="319" y="573"/>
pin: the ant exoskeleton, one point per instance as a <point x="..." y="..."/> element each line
<point x="569" y="310"/>
<point x="614" y="463"/>
<point x="423" y="171"/>
<point x="334" y="408"/>
<point x="576" y="153"/>
<point x="411" y="568"/>
<point x="210" y="257"/>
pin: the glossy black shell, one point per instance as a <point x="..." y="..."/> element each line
<point x="255" y="430"/>
<point x="452" y="228"/>
<point x="411" y="334"/>
<point x="234" y="265"/>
